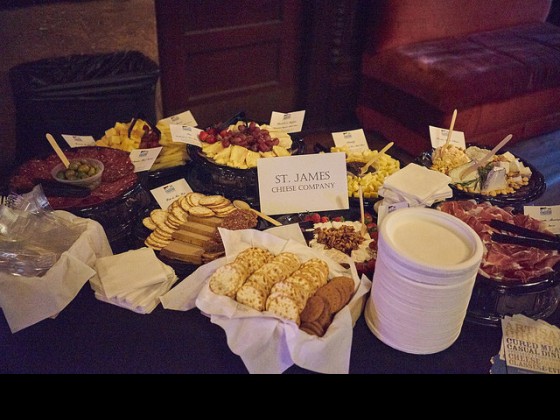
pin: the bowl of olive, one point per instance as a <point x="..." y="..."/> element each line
<point x="83" y="172"/>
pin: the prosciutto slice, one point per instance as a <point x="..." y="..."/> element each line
<point x="507" y="263"/>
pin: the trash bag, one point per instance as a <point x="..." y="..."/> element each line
<point x="81" y="95"/>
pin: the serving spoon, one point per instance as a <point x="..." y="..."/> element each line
<point x="242" y="205"/>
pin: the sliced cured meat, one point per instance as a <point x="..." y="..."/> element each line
<point x="118" y="176"/>
<point x="507" y="263"/>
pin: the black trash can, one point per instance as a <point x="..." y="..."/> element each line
<point x="79" y="94"/>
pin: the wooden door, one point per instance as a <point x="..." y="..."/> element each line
<point x="218" y="57"/>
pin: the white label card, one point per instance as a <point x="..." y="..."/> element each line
<point x="303" y="183"/>
<point x="167" y="194"/>
<point x="548" y="214"/>
<point x="143" y="159"/>
<point x="438" y="137"/>
<point x="185" y="134"/>
<point x="354" y="140"/>
<point x="78" y="141"/>
<point x="289" y="123"/>
<point x="383" y="210"/>
<point x="184" y="118"/>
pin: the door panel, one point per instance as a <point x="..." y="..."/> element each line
<point x="219" y="57"/>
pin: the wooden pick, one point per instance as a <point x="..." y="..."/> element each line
<point x="478" y="164"/>
<point x="450" y="132"/>
<point x="374" y="159"/>
<point x="58" y="150"/>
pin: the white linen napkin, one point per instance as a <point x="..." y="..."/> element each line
<point x="133" y="280"/>
<point x="266" y="343"/>
<point x="416" y="185"/>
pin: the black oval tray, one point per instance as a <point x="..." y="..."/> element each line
<point x="527" y="193"/>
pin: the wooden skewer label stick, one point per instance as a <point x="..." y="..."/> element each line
<point x="58" y="150"/>
<point x="450" y="132"/>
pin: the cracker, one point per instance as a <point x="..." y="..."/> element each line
<point x="226" y="280"/>
<point x="284" y="307"/>
<point x="179" y="213"/>
<point x="212" y="200"/>
<point x="184" y="204"/>
<point x="201" y="211"/>
<point x="252" y="295"/>
<point x="312" y="328"/>
<point x="313" y="309"/>
<point x="193" y="198"/>
<point x="149" y="223"/>
<point x="161" y="235"/>
<point x="159" y="216"/>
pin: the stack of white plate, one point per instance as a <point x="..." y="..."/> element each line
<point x="427" y="262"/>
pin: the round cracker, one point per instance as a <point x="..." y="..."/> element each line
<point x="159" y="216"/>
<point x="193" y="198"/>
<point x="149" y="223"/>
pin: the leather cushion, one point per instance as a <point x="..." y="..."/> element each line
<point x="465" y="71"/>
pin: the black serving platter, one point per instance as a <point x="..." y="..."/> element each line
<point x="141" y="232"/>
<point x="205" y="176"/>
<point x="526" y="194"/>
<point x="492" y="299"/>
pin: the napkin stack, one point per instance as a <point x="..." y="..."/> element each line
<point x="415" y="185"/>
<point x="133" y="280"/>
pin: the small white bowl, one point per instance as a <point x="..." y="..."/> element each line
<point x="90" y="182"/>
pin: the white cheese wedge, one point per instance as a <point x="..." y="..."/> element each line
<point x="495" y="180"/>
<point x="508" y="156"/>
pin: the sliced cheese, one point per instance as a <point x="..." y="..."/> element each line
<point x="199" y="228"/>
<point x="190" y="237"/>
<point x="183" y="251"/>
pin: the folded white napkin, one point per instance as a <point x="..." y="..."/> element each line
<point x="416" y="185"/>
<point x="133" y="280"/>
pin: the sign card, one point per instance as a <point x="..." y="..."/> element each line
<point x="185" y="134"/>
<point x="354" y="140"/>
<point x="167" y="194"/>
<point x="143" y="159"/>
<point x="549" y="214"/>
<point x="289" y="123"/>
<point x="438" y="137"/>
<point x="303" y="183"/>
<point x="184" y="118"/>
<point x="78" y="141"/>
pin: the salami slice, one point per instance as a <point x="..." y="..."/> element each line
<point x="118" y="176"/>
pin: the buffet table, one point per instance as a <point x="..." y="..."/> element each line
<point x="90" y="336"/>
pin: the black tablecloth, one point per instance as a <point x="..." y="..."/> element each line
<point x="90" y="336"/>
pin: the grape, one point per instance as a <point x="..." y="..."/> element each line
<point x="250" y="136"/>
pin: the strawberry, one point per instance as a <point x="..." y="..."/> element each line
<point x="338" y="219"/>
<point x="315" y="217"/>
<point x="324" y="219"/>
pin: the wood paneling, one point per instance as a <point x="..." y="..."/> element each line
<point x="220" y="57"/>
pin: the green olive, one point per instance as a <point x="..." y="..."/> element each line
<point x="74" y="165"/>
<point x="84" y="168"/>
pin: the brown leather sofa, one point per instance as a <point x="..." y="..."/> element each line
<point x="497" y="62"/>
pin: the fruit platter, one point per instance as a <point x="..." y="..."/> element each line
<point x="226" y="163"/>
